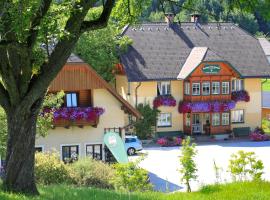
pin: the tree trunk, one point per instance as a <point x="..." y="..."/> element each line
<point x="20" y="156"/>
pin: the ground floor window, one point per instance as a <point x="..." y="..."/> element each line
<point x="70" y="153"/>
<point x="225" y="119"/>
<point x="188" y="119"/>
<point x="164" y="120"/>
<point x="94" y="151"/>
<point x="237" y="116"/>
<point x="215" y="119"/>
<point x="38" y="149"/>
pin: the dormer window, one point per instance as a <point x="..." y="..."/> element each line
<point x="164" y="88"/>
<point x="71" y="99"/>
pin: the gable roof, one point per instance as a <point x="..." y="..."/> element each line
<point x="266" y="99"/>
<point x="159" y="51"/>
<point x="87" y="78"/>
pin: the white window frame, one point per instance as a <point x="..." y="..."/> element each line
<point x="215" y="84"/>
<point x="237" y="84"/>
<point x="71" y="99"/>
<point x="163" y="120"/>
<point x="206" y="84"/>
<point x="225" y="88"/>
<point x="215" y="121"/>
<point x="198" y="86"/>
<point x="164" y="87"/>
<point x="187" y="88"/>
<point x="225" y="119"/>
<point x="236" y="116"/>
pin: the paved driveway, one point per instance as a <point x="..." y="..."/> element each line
<point x="163" y="163"/>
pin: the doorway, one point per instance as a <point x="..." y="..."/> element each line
<point x="196" y="123"/>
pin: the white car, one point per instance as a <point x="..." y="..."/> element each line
<point x="132" y="144"/>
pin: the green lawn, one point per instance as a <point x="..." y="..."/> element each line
<point x="235" y="191"/>
<point x="266" y="85"/>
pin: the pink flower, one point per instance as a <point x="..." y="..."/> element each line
<point x="167" y="100"/>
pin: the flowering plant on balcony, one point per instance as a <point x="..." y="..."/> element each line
<point x="205" y="106"/>
<point x="241" y="95"/>
<point x="164" y="100"/>
<point x="78" y="113"/>
<point x="258" y="135"/>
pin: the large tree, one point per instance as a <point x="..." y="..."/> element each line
<point x="36" y="39"/>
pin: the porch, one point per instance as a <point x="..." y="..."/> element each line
<point x="204" y="124"/>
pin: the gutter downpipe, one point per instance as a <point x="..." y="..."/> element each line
<point x="136" y="94"/>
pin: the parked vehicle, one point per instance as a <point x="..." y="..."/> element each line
<point x="132" y="144"/>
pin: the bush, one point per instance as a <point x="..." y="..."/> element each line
<point x="90" y="172"/>
<point x="258" y="135"/>
<point x="245" y="165"/>
<point x="169" y="141"/>
<point x="130" y="177"/>
<point x="49" y="169"/>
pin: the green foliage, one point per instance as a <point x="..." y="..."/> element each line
<point x="49" y="169"/>
<point x="188" y="166"/>
<point x="156" y="17"/>
<point x="89" y="172"/>
<point x="145" y="126"/>
<point x="130" y="178"/>
<point x="3" y="132"/>
<point x="244" y="165"/>
<point x="44" y="121"/>
<point x="266" y="126"/>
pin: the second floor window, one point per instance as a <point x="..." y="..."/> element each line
<point x="195" y="88"/>
<point x="225" y="87"/>
<point x="187" y="88"/>
<point x="71" y="99"/>
<point x="237" y="84"/>
<point x="215" y="88"/>
<point x="205" y="88"/>
<point x="164" y="88"/>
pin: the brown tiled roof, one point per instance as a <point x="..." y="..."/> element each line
<point x="158" y="52"/>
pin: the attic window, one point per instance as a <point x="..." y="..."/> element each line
<point x="164" y="88"/>
<point x="71" y="99"/>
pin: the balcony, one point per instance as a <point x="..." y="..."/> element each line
<point x="77" y="116"/>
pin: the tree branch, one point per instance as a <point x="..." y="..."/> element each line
<point x="35" y="22"/>
<point x="102" y="21"/>
<point x="4" y="97"/>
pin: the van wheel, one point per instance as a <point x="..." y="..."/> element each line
<point x="131" y="151"/>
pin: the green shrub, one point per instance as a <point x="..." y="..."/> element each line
<point x="188" y="166"/>
<point x="245" y="165"/>
<point x="130" y="177"/>
<point x="49" y="169"/>
<point x="89" y="172"/>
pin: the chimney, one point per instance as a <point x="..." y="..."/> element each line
<point x="169" y="18"/>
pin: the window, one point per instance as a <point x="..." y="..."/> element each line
<point x="225" y="119"/>
<point x="215" y="119"/>
<point x="38" y="149"/>
<point x="71" y="100"/>
<point x="187" y="88"/>
<point x="188" y="119"/>
<point x="225" y="87"/>
<point x="215" y="88"/>
<point x="70" y="153"/>
<point x="237" y="84"/>
<point x="205" y="88"/>
<point x="238" y="116"/>
<point x="164" y="88"/>
<point x="94" y="151"/>
<point x="268" y="58"/>
<point x="195" y="88"/>
<point x="164" y="120"/>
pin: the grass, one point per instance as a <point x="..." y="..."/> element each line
<point x="235" y="191"/>
<point x="266" y="85"/>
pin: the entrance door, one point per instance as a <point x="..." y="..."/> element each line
<point x="196" y="123"/>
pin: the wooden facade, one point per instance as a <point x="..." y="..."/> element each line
<point x="226" y="74"/>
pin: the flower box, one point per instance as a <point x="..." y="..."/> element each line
<point x="78" y="116"/>
<point x="259" y="135"/>
<point x="166" y="100"/>
<point x="241" y="95"/>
